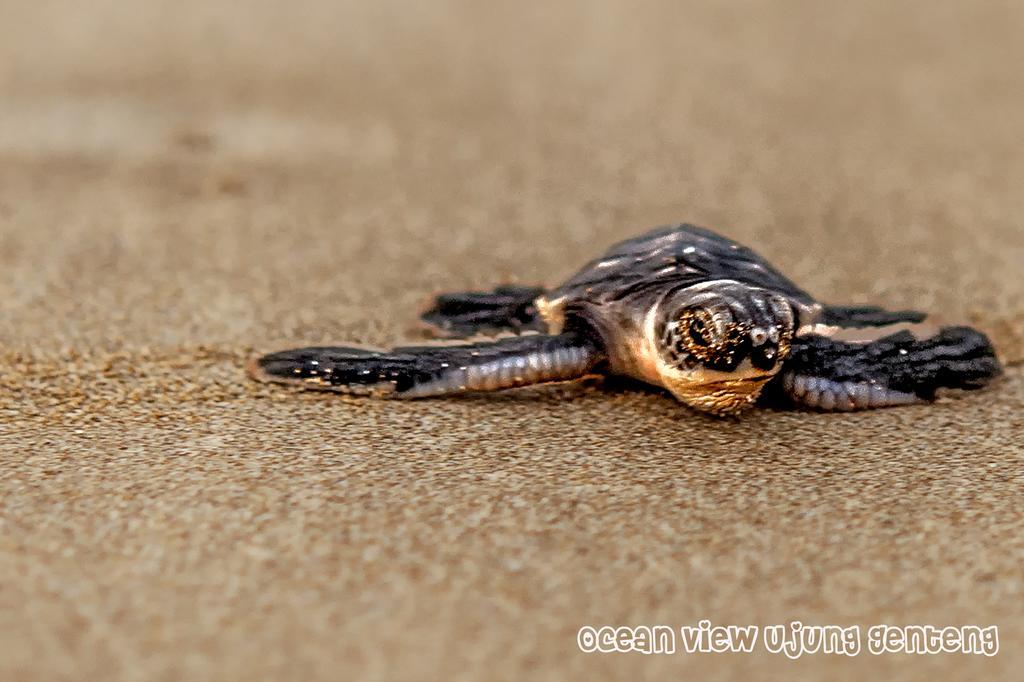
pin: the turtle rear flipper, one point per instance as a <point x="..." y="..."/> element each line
<point x="427" y="371"/>
<point x="506" y="309"/>
<point x="869" y="316"/>
<point x="899" y="369"/>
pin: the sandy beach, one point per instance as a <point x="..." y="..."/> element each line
<point x="185" y="184"/>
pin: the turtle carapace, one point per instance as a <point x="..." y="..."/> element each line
<point x="681" y="308"/>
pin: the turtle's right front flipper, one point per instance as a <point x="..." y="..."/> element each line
<point x="427" y="371"/>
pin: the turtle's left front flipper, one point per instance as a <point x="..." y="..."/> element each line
<point x="898" y="369"/>
<point x="427" y="371"/>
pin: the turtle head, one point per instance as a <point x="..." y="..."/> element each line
<point x="720" y="342"/>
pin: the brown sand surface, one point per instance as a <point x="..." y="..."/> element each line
<point x="182" y="183"/>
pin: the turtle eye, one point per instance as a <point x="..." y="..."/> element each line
<point x="699" y="332"/>
<point x="690" y="340"/>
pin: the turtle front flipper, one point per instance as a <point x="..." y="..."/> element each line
<point x="898" y="369"/>
<point x="427" y="371"/>
<point x="506" y="309"/>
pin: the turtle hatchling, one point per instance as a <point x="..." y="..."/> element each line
<point x="680" y="308"/>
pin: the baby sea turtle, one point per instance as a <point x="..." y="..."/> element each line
<point x="681" y="308"/>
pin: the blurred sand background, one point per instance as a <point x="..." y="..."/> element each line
<point x="183" y="183"/>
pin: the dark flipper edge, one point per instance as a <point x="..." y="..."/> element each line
<point x="869" y="316"/>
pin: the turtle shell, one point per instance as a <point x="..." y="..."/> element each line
<point x="670" y="258"/>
